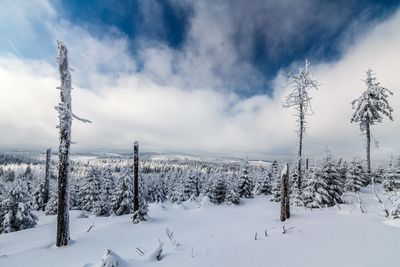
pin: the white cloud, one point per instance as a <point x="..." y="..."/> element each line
<point x="175" y="102"/>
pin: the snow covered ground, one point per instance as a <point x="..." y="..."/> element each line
<point x="212" y="235"/>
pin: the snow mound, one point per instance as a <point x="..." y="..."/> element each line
<point x="109" y="259"/>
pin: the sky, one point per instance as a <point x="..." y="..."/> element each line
<point x="198" y="77"/>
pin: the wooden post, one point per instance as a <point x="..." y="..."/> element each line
<point x="135" y="178"/>
<point x="47" y="178"/>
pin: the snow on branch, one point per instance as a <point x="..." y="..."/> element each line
<point x="373" y="103"/>
<point x="64" y="108"/>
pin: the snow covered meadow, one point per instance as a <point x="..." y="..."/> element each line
<point x="208" y="229"/>
<point x="202" y="78"/>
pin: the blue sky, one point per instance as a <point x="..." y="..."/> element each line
<point x="195" y="76"/>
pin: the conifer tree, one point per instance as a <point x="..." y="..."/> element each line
<point x="17" y="211"/>
<point x="122" y="200"/>
<point x="217" y="192"/>
<point x="39" y="197"/>
<point x="370" y="108"/>
<point x="52" y="204"/>
<point x="315" y="192"/>
<point x="265" y="184"/>
<point x="296" y="192"/>
<point x="191" y="185"/>
<point x="245" y="185"/>
<point x="333" y="179"/>
<point x="232" y="198"/>
<point x="354" y="178"/>
<point x="157" y="188"/>
<point x="276" y="182"/>
<point x="103" y="206"/>
<point x="90" y="191"/>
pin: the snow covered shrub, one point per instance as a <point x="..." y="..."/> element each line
<point x="90" y="191"/>
<point x="391" y="181"/>
<point x="232" y="198"/>
<point x="8" y="176"/>
<point x="245" y="185"/>
<point x="109" y="259"/>
<point x="51" y="207"/>
<point x="122" y="200"/>
<point x="217" y="192"/>
<point x="17" y="211"/>
<point x="395" y="198"/>
<point x="176" y="197"/>
<point x="378" y="175"/>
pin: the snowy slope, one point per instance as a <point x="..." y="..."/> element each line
<point x="217" y="236"/>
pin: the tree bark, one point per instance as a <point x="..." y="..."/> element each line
<point x="65" y="116"/>
<point x="135" y="177"/>
<point x="47" y="179"/>
<point x="368" y="134"/>
<point x="285" y="205"/>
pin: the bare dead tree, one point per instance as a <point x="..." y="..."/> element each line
<point x="135" y="179"/>
<point x="300" y="99"/>
<point x="65" y="115"/>
<point x="47" y="178"/>
<point x="285" y="204"/>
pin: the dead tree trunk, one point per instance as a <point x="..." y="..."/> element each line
<point x="306" y="163"/>
<point x="135" y="179"/>
<point x="65" y="116"/>
<point x="47" y="179"/>
<point x="285" y="204"/>
<point x="368" y="134"/>
<point x="300" y="151"/>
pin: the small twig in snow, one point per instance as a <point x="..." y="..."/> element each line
<point x="170" y="235"/>
<point x="90" y="228"/>
<point x="140" y="251"/>
<point x="285" y="231"/>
